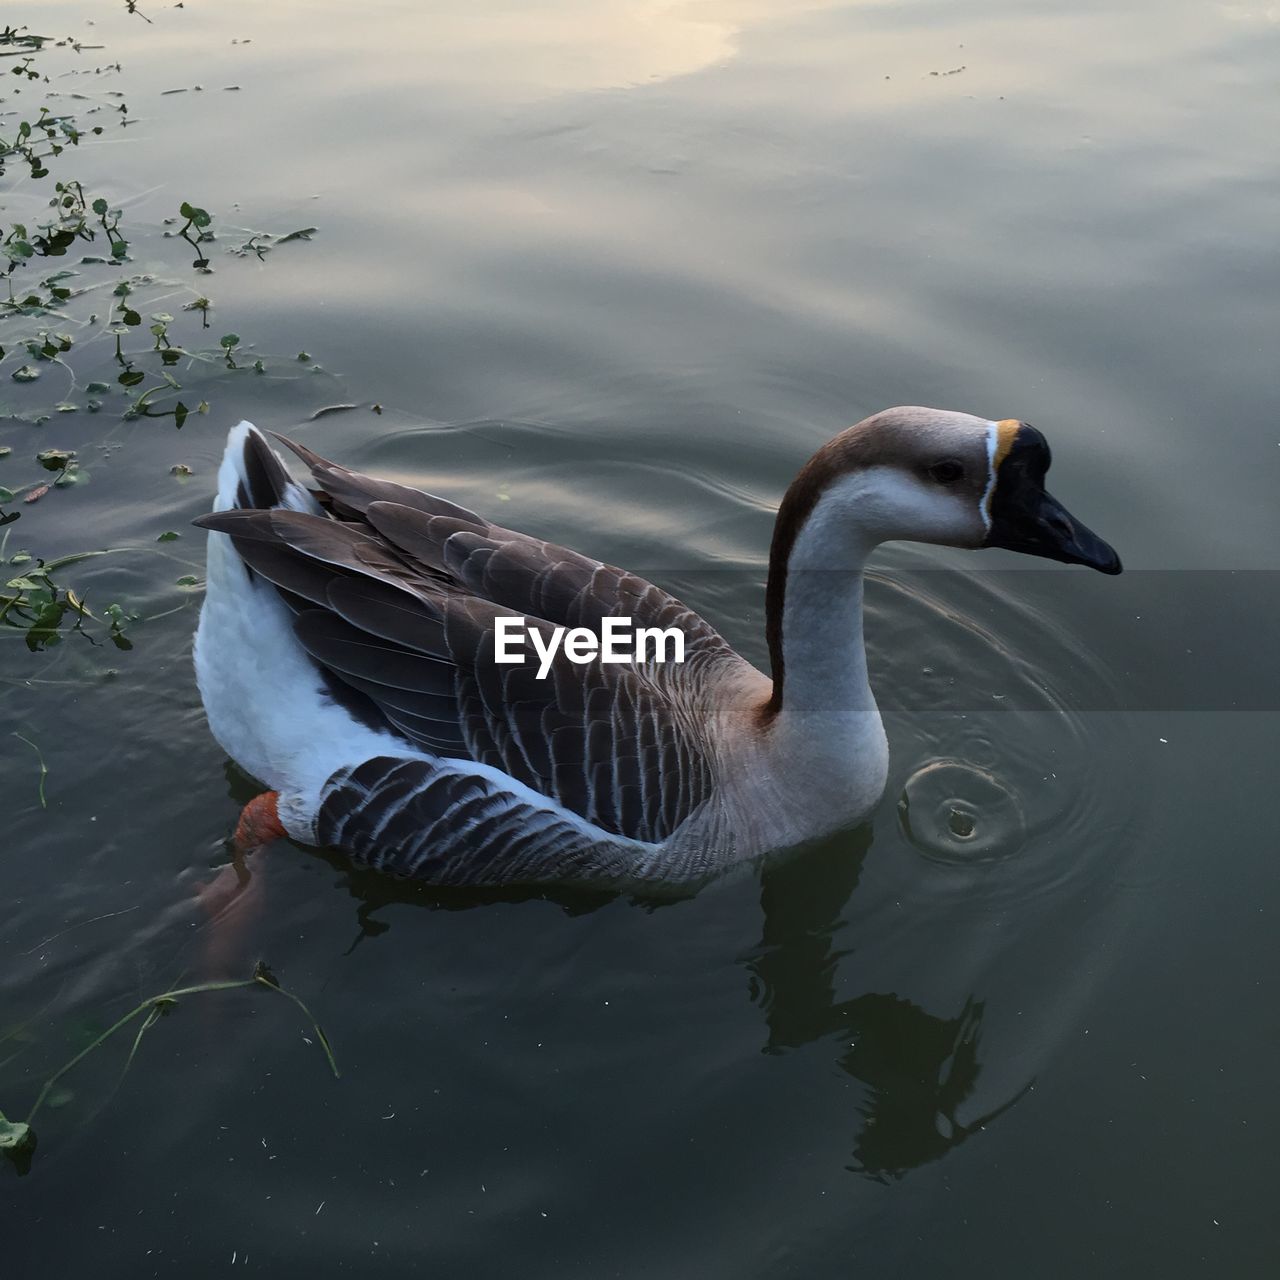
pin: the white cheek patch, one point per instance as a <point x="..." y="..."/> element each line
<point x="993" y="443"/>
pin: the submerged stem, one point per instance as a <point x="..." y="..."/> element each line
<point x="44" y="770"/>
<point x="154" y="1007"/>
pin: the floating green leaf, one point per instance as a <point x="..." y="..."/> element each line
<point x="15" y="1135"/>
<point x="195" y="215"/>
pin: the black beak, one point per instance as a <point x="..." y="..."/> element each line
<point x="1026" y="517"/>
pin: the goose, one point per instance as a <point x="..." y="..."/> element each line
<point x="347" y="656"/>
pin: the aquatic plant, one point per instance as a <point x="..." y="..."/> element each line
<point x="77" y="314"/>
<point x="42" y="322"/>
<point x="18" y="1138"/>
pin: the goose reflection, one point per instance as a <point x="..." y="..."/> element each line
<point x="917" y="1068"/>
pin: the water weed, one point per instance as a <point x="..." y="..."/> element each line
<point x="90" y="292"/>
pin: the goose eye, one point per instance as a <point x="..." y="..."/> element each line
<point x="947" y="472"/>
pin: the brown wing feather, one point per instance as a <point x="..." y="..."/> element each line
<point x="406" y="590"/>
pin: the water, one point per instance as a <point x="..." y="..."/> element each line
<point x="611" y="272"/>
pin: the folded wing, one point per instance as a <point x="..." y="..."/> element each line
<point x="396" y="594"/>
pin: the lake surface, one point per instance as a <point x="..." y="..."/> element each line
<point x="610" y="272"/>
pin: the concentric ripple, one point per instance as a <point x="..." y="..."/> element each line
<point x="960" y="813"/>
<point x="1005" y="727"/>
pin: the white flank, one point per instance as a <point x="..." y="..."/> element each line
<point x="265" y="699"/>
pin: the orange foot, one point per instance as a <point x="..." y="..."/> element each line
<point x="233" y="898"/>
<point x="259" y="823"/>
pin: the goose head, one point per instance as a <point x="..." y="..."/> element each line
<point x="930" y="475"/>
<point x="919" y="475"/>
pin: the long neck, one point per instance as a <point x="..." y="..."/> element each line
<point x="813" y="611"/>
<point x="815" y="636"/>
<point x="827" y="754"/>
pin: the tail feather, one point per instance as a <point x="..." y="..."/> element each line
<point x="253" y="477"/>
<point x="266" y="481"/>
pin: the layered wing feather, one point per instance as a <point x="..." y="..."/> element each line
<point x="526" y="574"/>
<point x="396" y="595"/>
<point x="415" y="818"/>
